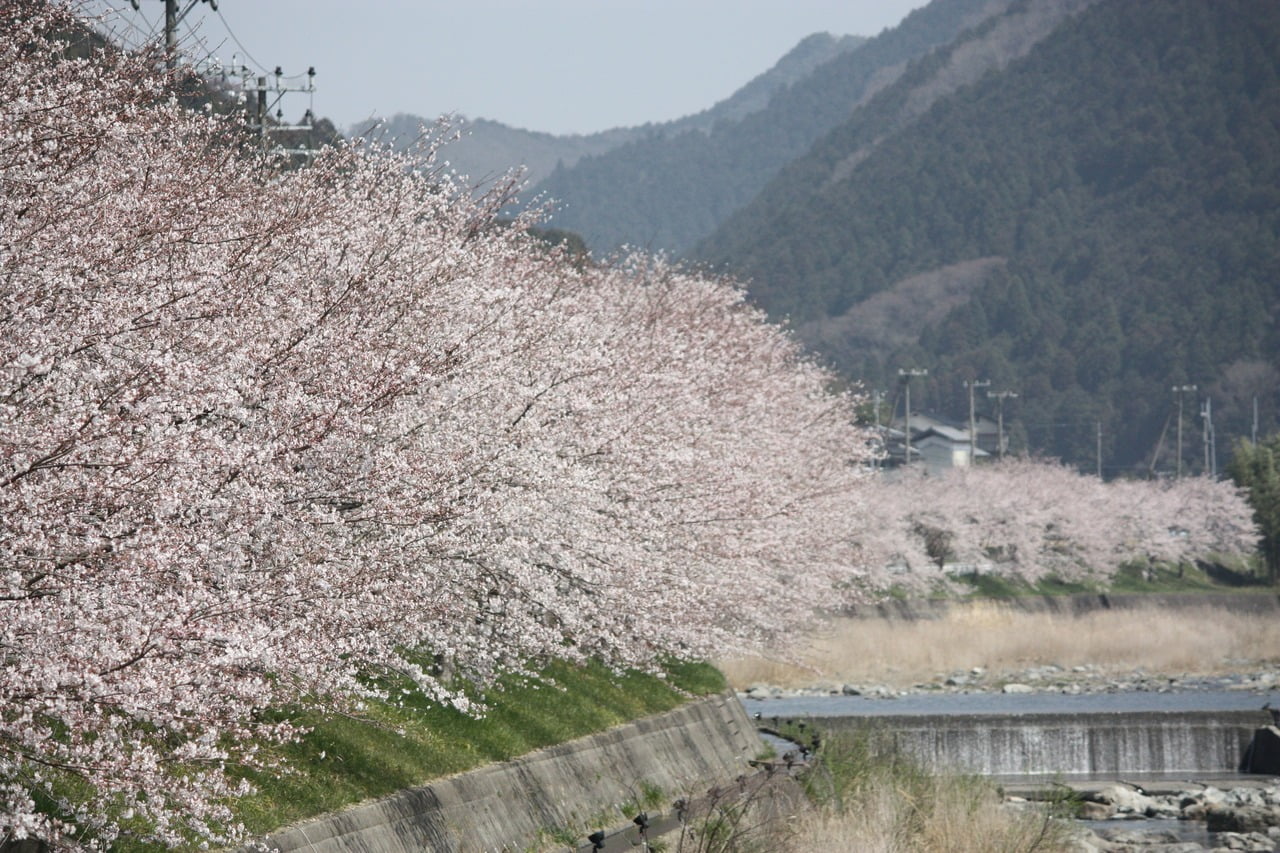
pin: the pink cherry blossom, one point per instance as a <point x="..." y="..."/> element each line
<point x="264" y="430"/>
<point x="1030" y="518"/>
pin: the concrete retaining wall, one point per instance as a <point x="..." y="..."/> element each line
<point x="515" y="804"/>
<point x="1032" y="746"/>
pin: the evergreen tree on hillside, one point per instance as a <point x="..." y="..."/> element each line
<point x="669" y="189"/>
<point x="1127" y="172"/>
<point x="1257" y="468"/>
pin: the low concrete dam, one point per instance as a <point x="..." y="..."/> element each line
<point x="1178" y="744"/>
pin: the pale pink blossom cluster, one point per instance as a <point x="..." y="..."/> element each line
<point x="1027" y="518"/>
<point x="265" y="431"/>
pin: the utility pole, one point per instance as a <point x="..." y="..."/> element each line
<point x="1000" y="397"/>
<point x="172" y="17"/>
<point x="256" y="90"/>
<point x="261" y="110"/>
<point x="1210" y="439"/>
<point x="1204" y="432"/>
<point x="1180" y="390"/>
<point x="1099" y="450"/>
<point x="171" y="34"/>
<point x="973" y="420"/>
<point x="904" y="376"/>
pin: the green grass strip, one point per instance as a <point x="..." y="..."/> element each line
<point x="345" y="760"/>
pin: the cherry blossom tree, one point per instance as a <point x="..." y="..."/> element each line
<point x="265" y="432"/>
<point x="1028" y="518"/>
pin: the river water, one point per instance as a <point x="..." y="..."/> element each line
<point x="1083" y="704"/>
<point x="1015" y="703"/>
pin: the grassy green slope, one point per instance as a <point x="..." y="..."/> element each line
<point x="389" y="746"/>
<point x="396" y="747"/>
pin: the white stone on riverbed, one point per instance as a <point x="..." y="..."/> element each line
<point x="1124" y="800"/>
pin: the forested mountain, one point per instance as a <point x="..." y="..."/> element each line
<point x="1091" y="226"/>
<point x="487" y="149"/>
<point x="674" y="185"/>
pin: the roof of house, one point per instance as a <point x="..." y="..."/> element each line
<point x="947" y="432"/>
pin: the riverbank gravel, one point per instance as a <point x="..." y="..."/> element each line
<point x="1047" y="678"/>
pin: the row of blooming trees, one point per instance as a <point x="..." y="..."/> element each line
<point x="264" y="431"/>
<point x="1029" y="519"/>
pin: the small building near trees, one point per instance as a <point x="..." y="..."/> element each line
<point x="935" y="444"/>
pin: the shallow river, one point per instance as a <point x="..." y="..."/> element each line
<point x="1016" y="703"/>
<point x="1043" y="703"/>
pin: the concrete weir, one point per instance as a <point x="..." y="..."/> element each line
<point x="517" y="804"/>
<point x="1043" y="746"/>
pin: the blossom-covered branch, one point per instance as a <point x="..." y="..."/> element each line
<point x="264" y="432"/>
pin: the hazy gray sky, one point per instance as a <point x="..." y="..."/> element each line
<point x="554" y="65"/>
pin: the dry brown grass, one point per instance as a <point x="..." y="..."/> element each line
<point x="869" y="800"/>
<point x="1199" y="641"/>
<point x="951" y="819"/>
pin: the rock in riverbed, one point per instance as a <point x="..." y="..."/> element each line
<point x="1241" y="819"/>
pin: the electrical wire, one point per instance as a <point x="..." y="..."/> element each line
<point x="1032" y="425"/>
<point x="209" y="53"/>
<point x="240" y="45"/>
<point x="124" y="30"/>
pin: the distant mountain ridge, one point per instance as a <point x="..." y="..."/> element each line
<point x="488" y="148"/>
<point x="1090" y="220"/>
<point x="787" y="266"/>
<point x="668" y="189"/>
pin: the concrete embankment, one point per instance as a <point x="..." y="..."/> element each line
<point x="525" y="803"/>
<point x="1103" y="745"/>
<point x="1073" y="605"/>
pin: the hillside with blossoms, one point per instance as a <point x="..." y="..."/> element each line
<point x="265" y="432"/>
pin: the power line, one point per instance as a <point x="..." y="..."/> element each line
<point x="1029" y="424"/>
<point x="124" y="29"/>
<point x="251" y="90"/>
<point x="239" y="44"/>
